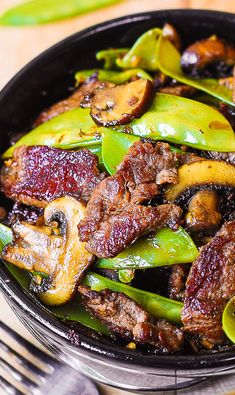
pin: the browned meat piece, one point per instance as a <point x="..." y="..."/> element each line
<point x="118" y="105"/>
<point x="126" y="319"/>
<point x="38" y="174"/>
<point x="179" y="90"/>
<point x="228" y="157"/>
<point x="210" y="284"/>
<point x="177" y="281"/>
<point x="70" y="103"/>
<point x="115" y="217"/>
<point x="21" y="212"/>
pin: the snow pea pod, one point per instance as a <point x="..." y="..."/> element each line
<point x="116" y="77"/>
<point x="144" y="52"/>
<point x="228" y="319"/>
<point x="36" y="12"/>
<point x="164" y="248"/>
<point x="169" y="63"/>
<point x="157" y="305"/>
<point x="185" y="121"/>
<point x="72" y="311"/>
<point x="109" y="56"/>
<point x="69" y="130"/>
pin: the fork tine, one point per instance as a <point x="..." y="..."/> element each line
<point x="9" y="388"/>
<point x="45" y="358"/>
<point x="17" y="376"/>
<point x="22" y="361"/>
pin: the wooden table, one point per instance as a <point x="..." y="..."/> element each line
<point x="19" y="45"/>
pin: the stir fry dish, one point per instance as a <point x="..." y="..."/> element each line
<point x="120" y="201"/>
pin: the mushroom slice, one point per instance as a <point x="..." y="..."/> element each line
<point x="198" y="56"/>
<point x="52" y="248"/>
<point x="205" y="174"/>
<point x="120" y="104"/>
<point x="202" y="211"/>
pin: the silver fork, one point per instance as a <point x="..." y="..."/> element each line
<point x="36" y="373"/>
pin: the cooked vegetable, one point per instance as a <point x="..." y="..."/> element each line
<point x="203" y="211"/>
<point x="120" y="104"/>
<point x="169" y="63"/>
<point x="35" y="12"/>
<point x="157" y="305"/>
<point x="109" y="56"/>
<point x="126" y="275"/>
<point x="165" y="248"/>
<point x="228" y="319"/>
<point x="52" y="249"/>
<point x="198" y="56"/>
<point x="208" y="174"/>
<point x="72" y="129"/>
<point x="143" y="53"/>
<point x="116" y="77"/>
<point x="185" y="121"/>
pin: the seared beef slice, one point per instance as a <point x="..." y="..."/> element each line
<point x="38" y="174"/>
<point x="115" y="215"/>
<point x="126" y="319"/>
<point x="211" y="283"/>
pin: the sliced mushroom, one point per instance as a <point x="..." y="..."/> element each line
<point x="204" y="53"/>
<point x="52" y="248"/>
<point x="173" y="36"/>
<point x="120" y="104"/>
<point x="203" y="211"/>
<point x="205" y="174"/>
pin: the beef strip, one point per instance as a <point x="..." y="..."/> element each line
<point x="38" y="174"/>
<point x="225" y="156"/>
<point x="210" y="284"/>
<point x="21" y="212"/>
<point x="177" y="281"/>
<point x="70" y="103"/>
<point x="116" y="215"/>
<point x="127" y="320"/>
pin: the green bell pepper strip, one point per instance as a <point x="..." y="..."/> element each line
<point x="144" y="52"/>
<point x="228" y="320"/>
<point x="72" y="311"/>
<point x="69" y="130"/>
<point x="165" y="248"/>
<point x="169" y="63"/>
<point x="157" y="305"/>
<point x="116" y="77"/>
<point x="185" y="121"/>
<point x="36" y="12"/>
<point x="109" y="56"/>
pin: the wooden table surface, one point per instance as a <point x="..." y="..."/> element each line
<point x="19" y="45"/>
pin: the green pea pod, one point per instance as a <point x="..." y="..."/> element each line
<point x="169" y="63"/>
<point x="157" y="305"/>
<point x="69" y="130"/>
<point x="126" y="275"/>
<point x="116" y="77"/>
<point x="114" y="147"/>
<point x="185" y="121"/>
<point x="164" y="248"/>
<point x="36" y="12"/>
<point x="72" y="311"/>
<point x="109" y="56"/>
<point x="144" y="52"/>
<point x="228" y="320"/>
